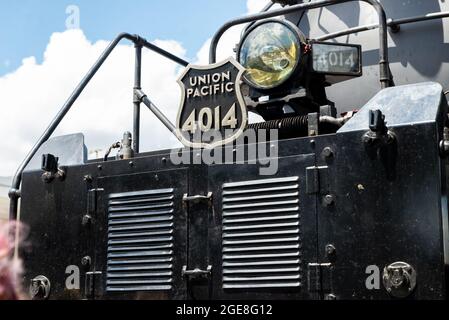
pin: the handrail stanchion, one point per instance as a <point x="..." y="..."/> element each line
<point x="14" y="192"/>
<point x="137" y="86"/>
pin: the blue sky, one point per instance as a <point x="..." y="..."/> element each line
<point x="26" y="25"/>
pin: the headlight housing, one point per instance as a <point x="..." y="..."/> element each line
<point x="272" y="52"/>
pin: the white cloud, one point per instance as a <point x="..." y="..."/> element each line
<point x="231" y="37"/>
<point x="33" y="94"/>
<point x="255" y="6"/>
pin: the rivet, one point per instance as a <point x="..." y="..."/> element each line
<point x="86" y="261"/>
<point x="330" y="250"/>
<point x="331" y="297"/>
<point x="87" y="219"/>
<point x="328" y="153"/>
<point x="312" y="143"/>
<point x="329" y="200"/>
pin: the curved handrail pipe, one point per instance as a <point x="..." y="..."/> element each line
<point x="14" y="192"/>
<point x="385" y="77"/>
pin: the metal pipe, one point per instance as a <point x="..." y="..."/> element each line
<point x="265" y="9"/>
<point x="385" y="78"/>
<point x="162" y="52"/>
<point x="14" y="192"/>
<point x="390" y="23"/>
<point x="137" y="86"/>
<point x="158" y="113"/>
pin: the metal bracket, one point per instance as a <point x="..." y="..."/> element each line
<point x="313" y="124"/>
<point x="196" y="273"/>
<point x="51" y="169"/>
<point x="319" y="277"/>
<point x="93" y="285"/>
<point x="92" y="198"/>
<point x="317" y="180"/>
<point x="197" y="198"/>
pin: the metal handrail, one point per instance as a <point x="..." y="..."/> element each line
<point x="14" y="192"/>
<point x="385" y="78"/>
<point x="390" y="23"/>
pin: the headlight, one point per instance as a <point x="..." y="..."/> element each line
<point x="271" y="53"/>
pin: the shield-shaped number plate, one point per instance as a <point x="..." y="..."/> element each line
<point x="212" y="111"/>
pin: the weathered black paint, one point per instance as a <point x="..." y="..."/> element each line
<point x="373" y="221"/>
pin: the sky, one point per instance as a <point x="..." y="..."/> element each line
<point x="27" y="25"/>
<point x="47" y="46"/>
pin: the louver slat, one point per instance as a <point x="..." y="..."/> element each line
<point x="261" y="234"/>
<point x="140" y="241"/>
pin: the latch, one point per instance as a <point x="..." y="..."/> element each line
<point x="51" y="169"/>
<point x="381" y="143"/>
<point x="197" y="198"/>
<point x="196" y="273"/>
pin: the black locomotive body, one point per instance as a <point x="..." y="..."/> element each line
<point x="320" y="227"/>
<point x="357" y="208"/>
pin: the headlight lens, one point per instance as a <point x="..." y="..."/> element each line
<point x="270" y="53"/>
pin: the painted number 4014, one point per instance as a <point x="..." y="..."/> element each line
<point x="208" y="119"/>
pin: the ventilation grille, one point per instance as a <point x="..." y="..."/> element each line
<point x="261" y="234"/>
<point x="140" y="241"/>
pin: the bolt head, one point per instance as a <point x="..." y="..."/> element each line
<point x="85" y="261"/>
<point x="329" y="200"/>
<point x="87" y="219"/>
<point x="330" y="250"/>
<point x="312" y="143"/>
<point x="328" y="153"/>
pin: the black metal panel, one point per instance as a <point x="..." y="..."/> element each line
<point x="376" y="221"/>
<point x="141" y="246"/>
<point x="52" y="214"/>
<point x="370" y="219"/>
<point x="262" y="232"/>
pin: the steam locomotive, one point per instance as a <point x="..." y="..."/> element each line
<point x="355" y="208"/>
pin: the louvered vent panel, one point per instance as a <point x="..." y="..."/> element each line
<point x="261" y="234"/>
<point x="140" y="241"/>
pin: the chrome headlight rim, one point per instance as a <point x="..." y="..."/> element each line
<point x="301" y="40"/>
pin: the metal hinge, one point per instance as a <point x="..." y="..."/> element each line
<point x="319" y="277"/>
<point x="92" y="196"/>
<point x="94" y="284"/>
<point x="196" y="273"/>
<point x="317" y="180"/>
